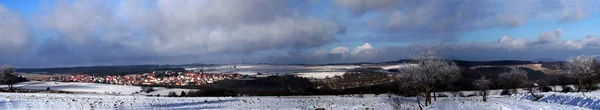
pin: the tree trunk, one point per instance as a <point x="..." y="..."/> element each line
<point x="580" y="87"/>
<point x="434" y="95"/>
<point x="419" y="103"/>
<point x="484" y="95"/>
<point x="427" y="97"/>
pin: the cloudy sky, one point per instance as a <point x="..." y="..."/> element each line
<point x="111" y="32"/>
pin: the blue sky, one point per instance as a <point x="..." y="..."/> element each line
<point x="57" y="33"/>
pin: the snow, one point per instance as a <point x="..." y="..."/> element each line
<point x="572" y="98"/>
<point x="397" y="66"/>
<point x="87" y="101"/>
<point x="92" y="96"/>
<point x="93" y="88"/>
<point x="384" y="102"/>
<point x="319" y="75"/>
<point x="495" y="103"/>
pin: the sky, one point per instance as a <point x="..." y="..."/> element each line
<point x="58" y="33"/>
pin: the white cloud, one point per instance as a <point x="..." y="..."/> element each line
<point x="14" y="39"/>
<point x="365" y="50"/>
<point x="589" y="41"/>
<point x="511" y="42"/>
<point x="340" y="50"/>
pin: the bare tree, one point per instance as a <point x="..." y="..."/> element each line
<point x="483" y="85"/>
<point x="7" y="76"/>
<point x="513" y="79"/>
<point x="429" y="71"/>
<point x="584" y="69"/>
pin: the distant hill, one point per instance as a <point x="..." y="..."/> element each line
<point x="545" y="60"/>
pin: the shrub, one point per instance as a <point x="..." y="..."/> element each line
<point x="182" y="94"/>
<point x="567" y="89"/>
<point x="172" y="94"/>
<point x="545" y="89"/>
<point x="505" y="92"/>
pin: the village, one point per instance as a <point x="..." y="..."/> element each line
<point x="165" y="78"/>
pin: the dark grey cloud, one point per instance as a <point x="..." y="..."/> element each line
<point x="138" y="32"/>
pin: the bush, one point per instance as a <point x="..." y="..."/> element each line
<point x="567" y="89"/>
<point x="182" y="94"/>
<point x="505" y="92"/>
<point x="172" y="94"/>
<point x="545" y="89"/>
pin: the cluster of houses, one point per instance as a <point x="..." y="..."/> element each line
<point x="154" y="78"/>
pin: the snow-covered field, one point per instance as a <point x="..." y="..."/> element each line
<point x="378" y="102"/>
<point x="93" y="96"/>
<point x="93" y="88"/>
<point x="87" y="101"/>
<point x="319" y="75"/>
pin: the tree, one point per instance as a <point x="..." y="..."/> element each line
<point x="513" y="79"/>
<point x="182" y="94"/>
<point x="584" y="70"/>
<point x="172" y="94"/>
<point x="7" y="76"/>
<point x="426" y="71"/>
<point x="483" y="85"/>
